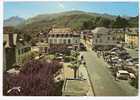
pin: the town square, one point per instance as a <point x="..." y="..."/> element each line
<point x="70" y="49"/>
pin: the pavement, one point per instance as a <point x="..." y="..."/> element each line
<point x="82" y="72"/>
<point x="103" y="82"/>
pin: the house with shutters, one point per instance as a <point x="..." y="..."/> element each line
<point x="103" y="38"/>
<point x="63" y="40"/>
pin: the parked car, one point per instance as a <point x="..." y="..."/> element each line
<point x="132" y="76"/>
<point x="122" y="74"/>
<point x="82" y="47"/>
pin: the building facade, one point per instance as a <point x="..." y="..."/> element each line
<point x="9" y="54"/>
<point x="119" y="34"/>
<point x="14" y="52"/>
<point x="103" y="38"/>
<point x="63" y="39"/>
<point x="132" y="38"/>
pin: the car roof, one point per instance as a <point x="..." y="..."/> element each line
<point x="123" y="71"/>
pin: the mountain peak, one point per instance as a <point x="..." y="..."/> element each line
<point x="13" y="21"/>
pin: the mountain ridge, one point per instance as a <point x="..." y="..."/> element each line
<point x="13" y="21"/>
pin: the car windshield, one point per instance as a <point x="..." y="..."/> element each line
<point x="124" y="73"/>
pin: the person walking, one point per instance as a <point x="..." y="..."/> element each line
<point x="82" y="57"/>
<point x="84" y="63"/>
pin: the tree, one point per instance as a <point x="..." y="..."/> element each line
<point x="120" y="22"/>
<point x="75" y="64"/>
<point x="135" y="82"/>
<point x="75" y="68"/>
<point x="102" y="22"/>
<point x="36" y="78"/>
<point x="88" y="25"/>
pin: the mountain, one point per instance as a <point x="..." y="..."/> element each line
<point x="13" y="21"/>
<point x="67" y="13"/>
<point x="73" y="19"/>
<point x="77" y="20"/>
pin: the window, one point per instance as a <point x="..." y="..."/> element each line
<point x="98" y="36"/>
<point x="50" y="40"/>
<point x="100" y="40"/>
<point x="64" y="41"/>
<point x="19" y="51"/>
<point x="60" y="41"/>
<point x="113" y="38"/>
<point x="96" y="40"/>
<point x="69" y="41"/>
<point x="22" y="50"/>
<point x="54" y="41"/>
<point x="108" y="38"/>
<point x="57" y="35"/>
<point x="76" y="41"/>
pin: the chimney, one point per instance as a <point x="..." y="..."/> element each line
<point x="11" y="40"/>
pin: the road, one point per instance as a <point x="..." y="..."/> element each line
<point x="102" y="80"/>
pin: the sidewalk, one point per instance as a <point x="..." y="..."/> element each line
<point x="84" y="74"/>
<point x="68" y="73"/>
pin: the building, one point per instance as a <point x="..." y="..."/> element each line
<point x="23" y="51"/>
<point x="13" y="51"/>
<point x="63" y="39"/>
<point x="42" y="47"/>
<point x="9" y="42"/>
<point x="87" y="34"/>
<point x="119" y="34"/>
<point x="132" y="38"/>
<point x="103" y="38"/>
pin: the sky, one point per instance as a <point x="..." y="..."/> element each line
<point x="30" y="9"/>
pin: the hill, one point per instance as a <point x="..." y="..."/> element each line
<point x="77" y="20"/>
<point x="13" y="21"/>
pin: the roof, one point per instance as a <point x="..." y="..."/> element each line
<point x="123" y="71"/>
<point x="60" y="31"/>
<point x="100" y="30"/>
<point x="63" y="31"/>
<point x="6" y="39"/>
<point x="132" y="31"/>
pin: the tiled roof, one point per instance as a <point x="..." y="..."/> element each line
<point x="61" y="31"/>
<point x="64" y="31"/>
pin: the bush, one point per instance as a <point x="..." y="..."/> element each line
<point x="35" y="79"/>
<point x="134" y="82"/>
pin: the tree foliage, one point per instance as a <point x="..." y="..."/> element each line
<point x="120" y="22"/>
<point x="35" y="79"/>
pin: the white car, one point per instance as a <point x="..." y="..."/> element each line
<point x="132" y="76"/>
<point x="122" y="74"/>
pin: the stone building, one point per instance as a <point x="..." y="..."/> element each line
<point x="13" y="52"/>
<point x="132" y="38"/>
<point x="63" y="39"/>
<point x="103" y="38"/>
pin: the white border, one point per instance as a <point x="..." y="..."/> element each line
<point x="47" y="97"/>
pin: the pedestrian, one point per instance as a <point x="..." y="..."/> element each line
<point x="84" y="63"/>
<point x="82" y="57"/>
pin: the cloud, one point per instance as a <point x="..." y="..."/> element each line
<point x="61" y="5"/>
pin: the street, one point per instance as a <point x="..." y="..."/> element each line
<point x="103" y="82"/>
